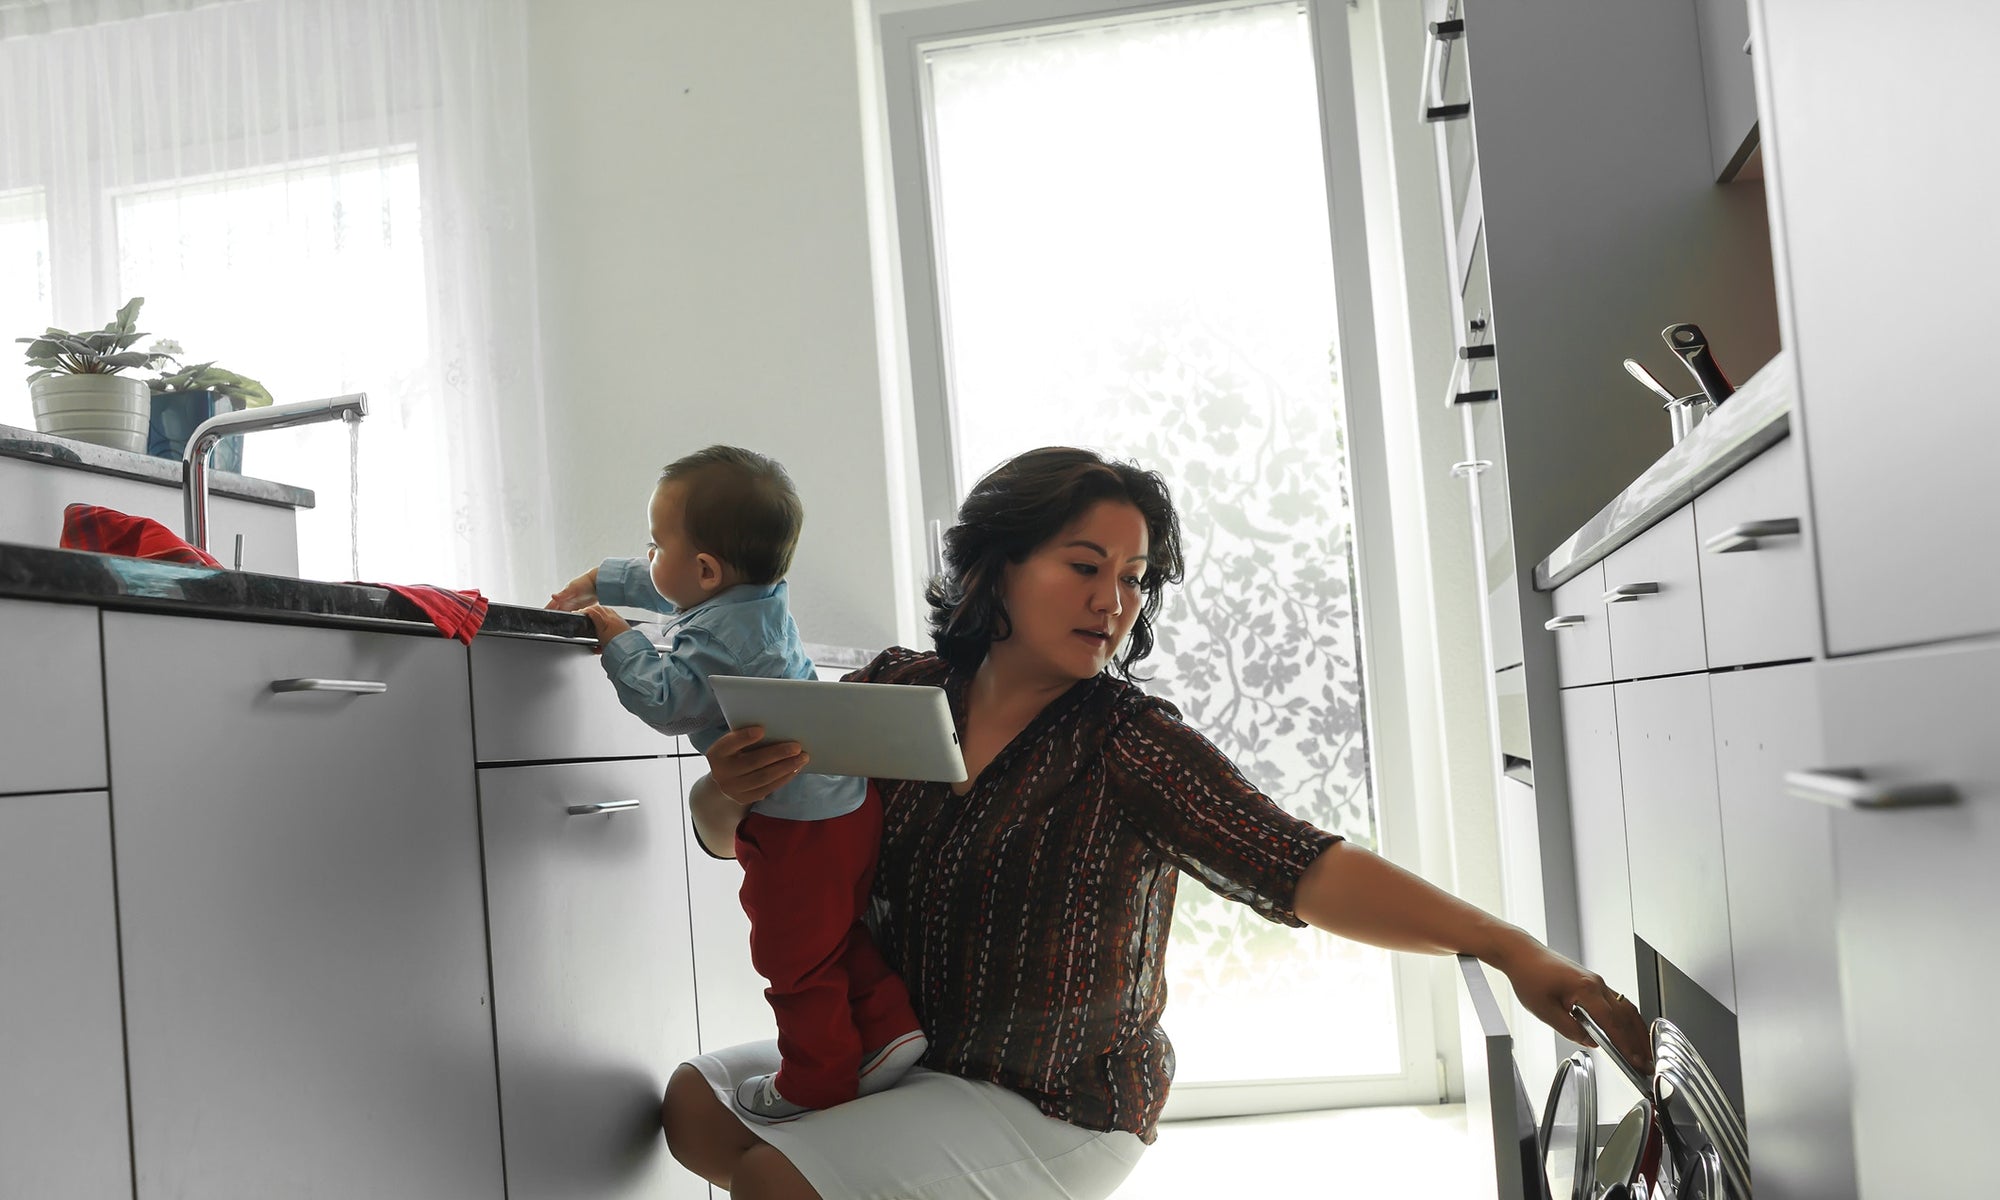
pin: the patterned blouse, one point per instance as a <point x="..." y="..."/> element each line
<point x="1029" y="918"/>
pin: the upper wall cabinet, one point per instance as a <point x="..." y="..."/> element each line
<point x="1729" y="83"/>
<point x="1883" y="228"/>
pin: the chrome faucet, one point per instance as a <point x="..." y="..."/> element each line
<point x="194" y="460"/>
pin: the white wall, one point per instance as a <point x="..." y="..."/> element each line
<point x="703" y="214"/>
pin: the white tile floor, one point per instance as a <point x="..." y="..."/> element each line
<point x="1352" y="1153"/>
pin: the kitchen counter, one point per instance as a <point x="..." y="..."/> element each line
<point x="111" y="581"/>
<point x="1758" y="416"/>
<point x="30" y="446"/>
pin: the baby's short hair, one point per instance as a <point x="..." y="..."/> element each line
<point x="739" y="506"/>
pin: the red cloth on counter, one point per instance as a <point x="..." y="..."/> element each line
<point x="456" y="614"/>
<point x="107" y="531"/>
<point x="103" y="530"/>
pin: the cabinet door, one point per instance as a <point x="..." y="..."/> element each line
<point x="1778" y="856"/>
<point x="593" y="973"/>
<point x="1603" y="881"/>
<point x="1656" y="631"/>
<point x="1758" y="599"/>
<point x="729" y="994"/>
<point x="52" y="706"/>
<point x="1887" y="281"/>
<point x="1727" y="83"/>
<point x="1673" y="827"/>
<point x="62" y="1047"/>
<point x="1917" y="889"/>
<point x="304" y="932"/>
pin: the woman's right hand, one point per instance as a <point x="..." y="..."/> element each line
<point x="576" y="595"/>
<point x="746" y="771"/>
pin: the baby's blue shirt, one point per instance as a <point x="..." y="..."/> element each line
<point x="745" y="630"/>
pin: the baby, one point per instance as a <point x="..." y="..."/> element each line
<point x="724" y="522"/>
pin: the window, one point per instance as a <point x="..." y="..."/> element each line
<point x="310" y="278"/>
<point x="27" y="304"/>
<point x="1122" y="241"/>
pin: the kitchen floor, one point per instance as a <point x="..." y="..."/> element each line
<point x="1407" y="1153"/>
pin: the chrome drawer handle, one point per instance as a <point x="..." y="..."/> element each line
<point x="608" y="806"/>
<point x="1746" y="534"/>
<point x="1570" y="621"/>
<point x="1437" y="54"/>
<point x="1849" y="787"/>
<point x="352" y="687"/>
<point x="1471" y="466"/>
<point x="1630" y="591"/>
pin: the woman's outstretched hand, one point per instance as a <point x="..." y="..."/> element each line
<point x="1548" y="984"/>
<point x="746" y="771"/>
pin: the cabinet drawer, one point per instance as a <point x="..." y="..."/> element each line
<point x="1757" y="597"/>
<point x="1657" y="630"/>
<point x="541" y="701"/>
<point x="52" y="708"/>
<point x="1673" y="827"/>
<point x="1486" y="451"/>
<point x="1582" y="629"/>
<point x="1916" y="891"/>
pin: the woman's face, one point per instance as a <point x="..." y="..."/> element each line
<point x="1073" y="600"/>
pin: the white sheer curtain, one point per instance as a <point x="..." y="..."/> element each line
<point x="329" y="196"/>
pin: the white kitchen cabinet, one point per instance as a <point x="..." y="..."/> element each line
<point x="1582" y="628"/>
<point x="1727" y="82"/>
<point x="63" y="1131"/>
<point x="1778" y="856"/>
<point x="1885" y="279"/>
<point x="300" y="900"/>
<point x="1758" y="600"/>
<point x="1652" y="593"/>
<point x="1673" y="827"/>
<point x="729" y="994"/>
<point x="593" y="973"/>
<point x="1525" y="900"/>
<point x="1917" y="889"/>
<point x="34" y="494"/>
<point x="52" y="704"/>
<point x="1603" y="883"/>
<point x="536" y="700"/>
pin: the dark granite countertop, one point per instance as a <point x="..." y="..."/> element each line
<point x="111" y="581"/>
<point x="103" y="460"/>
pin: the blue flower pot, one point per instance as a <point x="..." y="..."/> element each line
<point x="175" y="416"/>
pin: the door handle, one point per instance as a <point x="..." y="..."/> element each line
<point x="1746" y="535"/>
<point x="352" y="687"/>
<point x="1625" y="592"/>
<point x="605" y="806"/>
<point x="1850" y="787"/>
<point x="1471" y="466"/>
<point x="1569" y="621"/>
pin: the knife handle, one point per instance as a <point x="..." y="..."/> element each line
<point x="1690" y="345"/>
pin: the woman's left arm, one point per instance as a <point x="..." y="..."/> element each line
<point x="1361" y="896"/>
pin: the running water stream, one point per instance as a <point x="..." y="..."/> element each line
<point x="353" y="498"/>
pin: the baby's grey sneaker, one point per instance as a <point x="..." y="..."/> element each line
<point x="757" y="1099"/>
<point x="881" y="1069"/>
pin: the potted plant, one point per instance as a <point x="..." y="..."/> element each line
<point x="77" y="389"/>
<point x="189" y="395"/>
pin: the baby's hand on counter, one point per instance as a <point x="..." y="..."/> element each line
<point x="608" y="624"/>
<point x="577" y="594"/>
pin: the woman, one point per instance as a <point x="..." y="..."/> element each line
<point x="1028" y="909"/>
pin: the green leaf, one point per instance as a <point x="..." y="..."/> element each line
<point x="128" y="316"/>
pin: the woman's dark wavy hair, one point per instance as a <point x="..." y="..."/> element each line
<point x="1016" y="508"/>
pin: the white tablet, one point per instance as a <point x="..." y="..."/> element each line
<point x="877" y="730"/>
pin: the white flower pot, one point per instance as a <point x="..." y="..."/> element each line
<point x="105" y="410"/>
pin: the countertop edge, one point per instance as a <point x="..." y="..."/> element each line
<point x="28" y="445"/>
<point x="1713" y="451"/>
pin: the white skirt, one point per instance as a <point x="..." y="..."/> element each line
<point x="933" y="1137"/>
